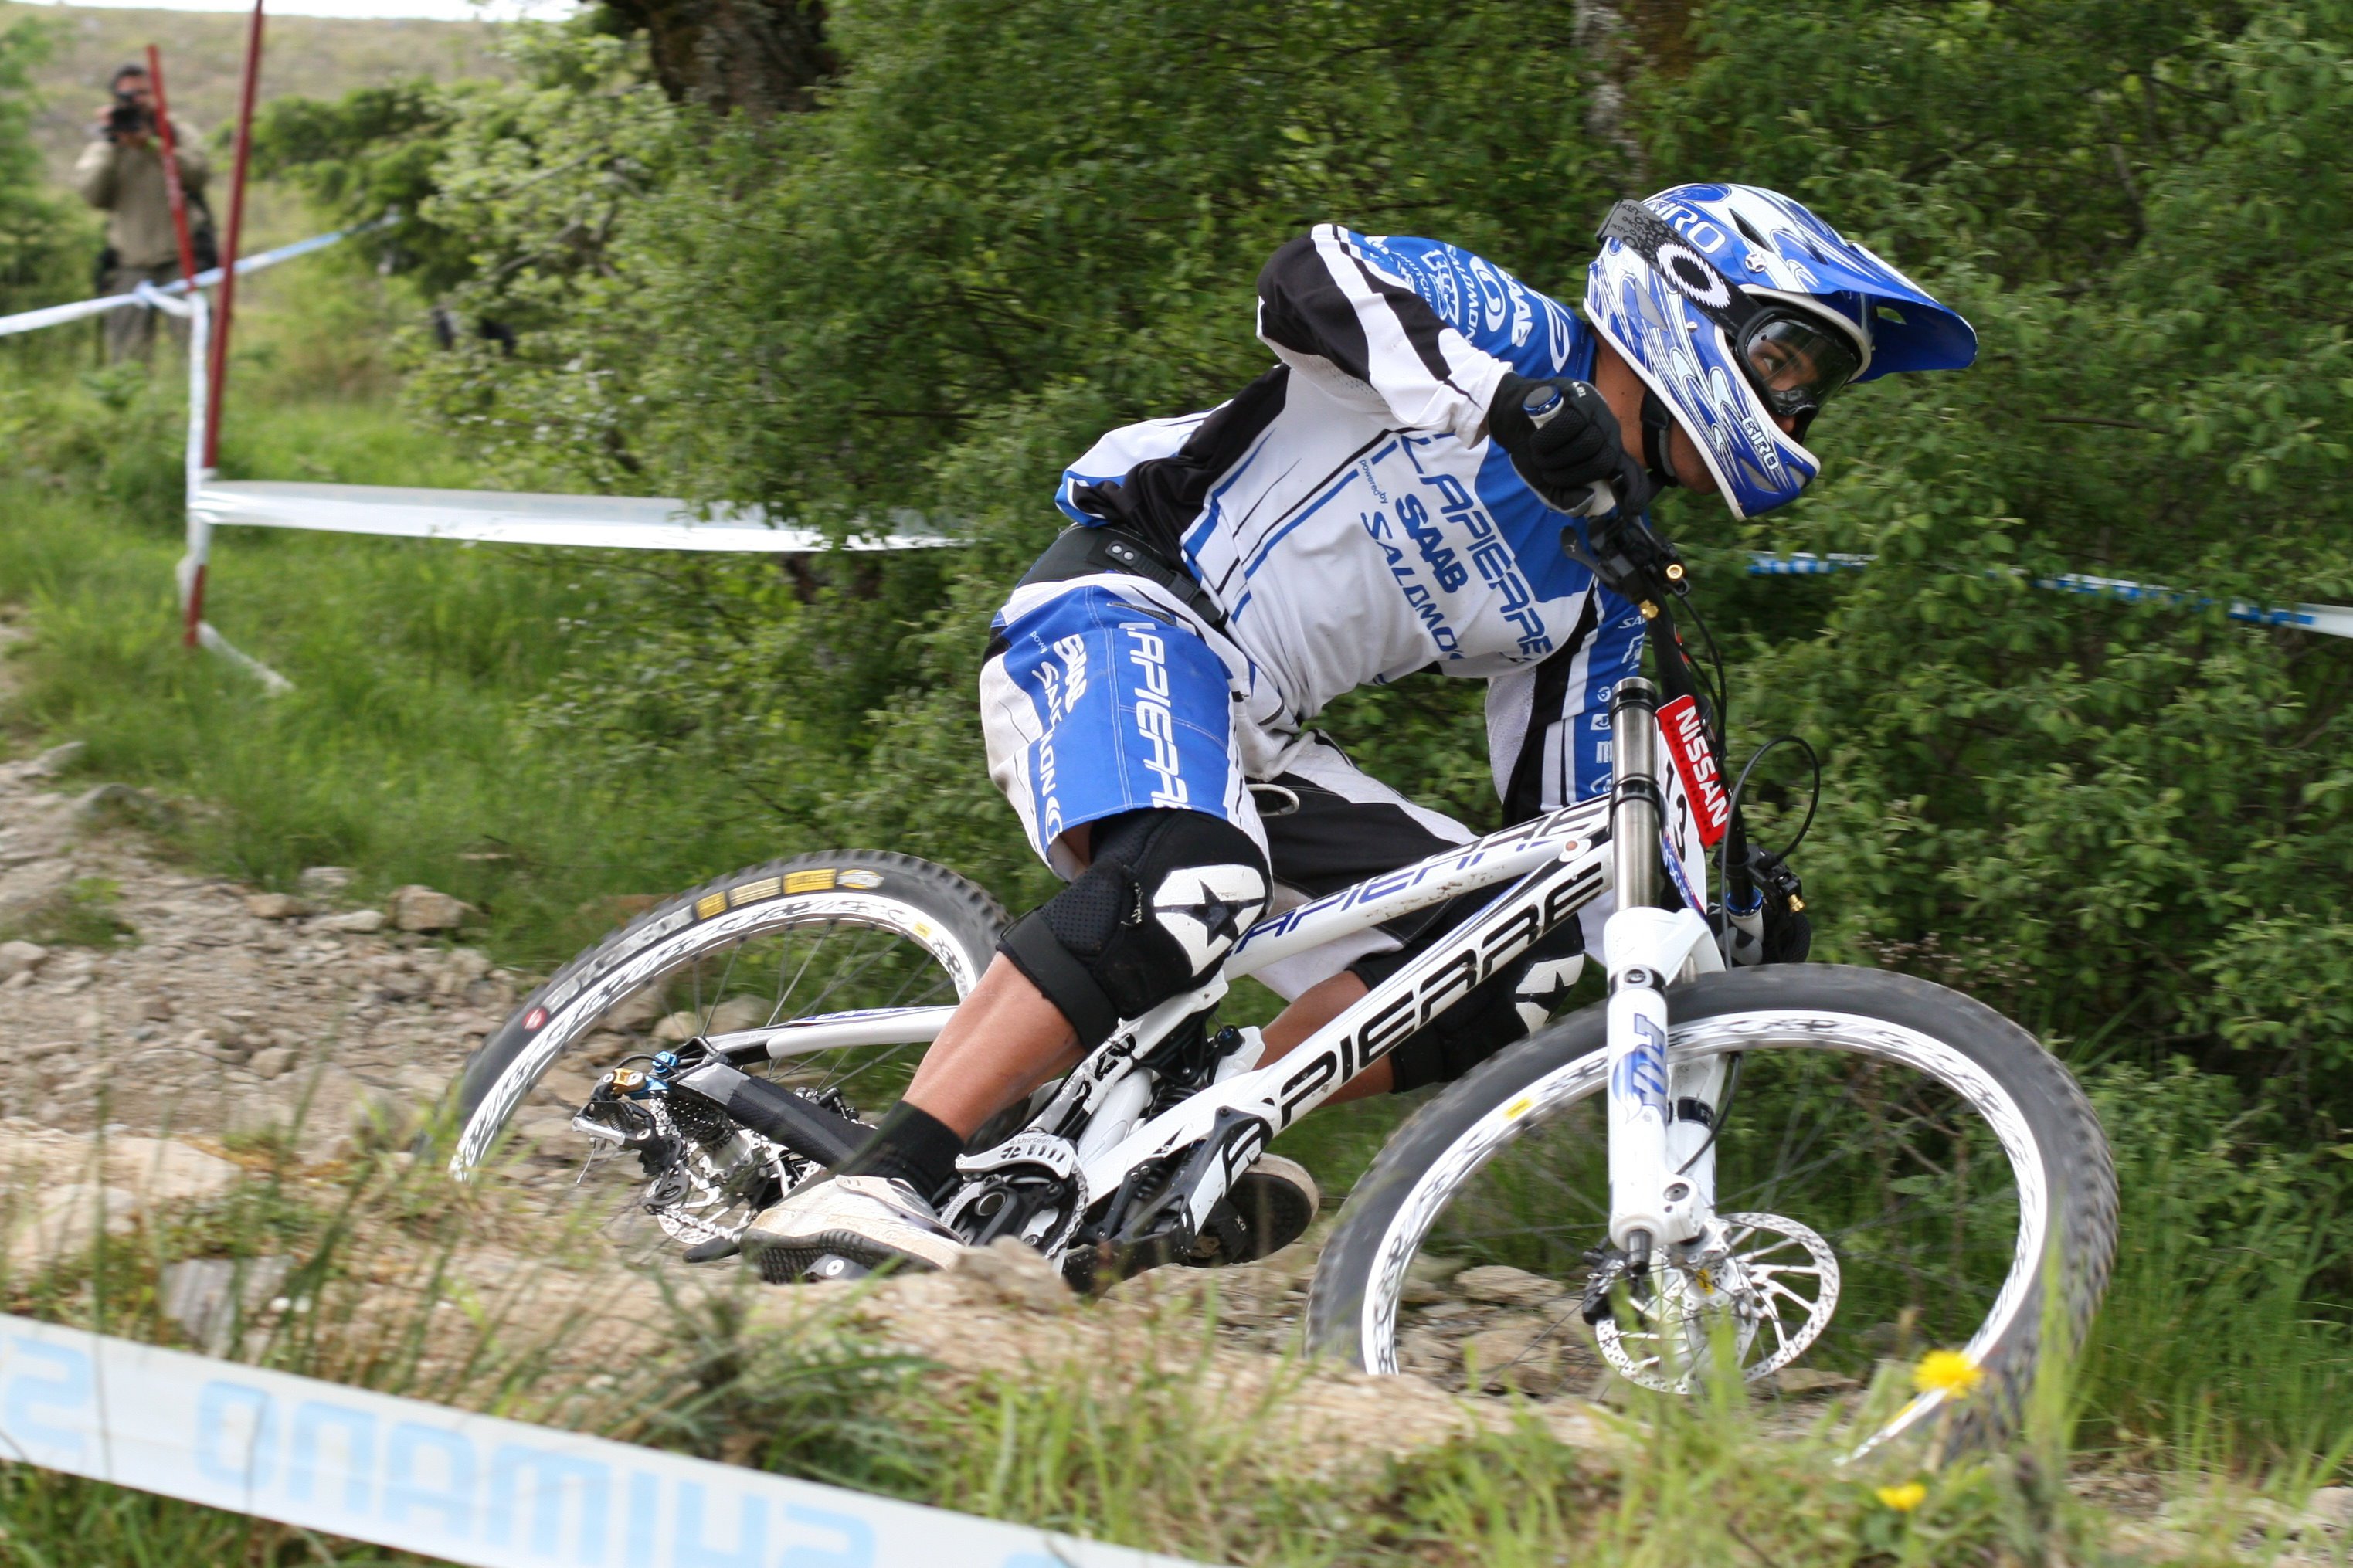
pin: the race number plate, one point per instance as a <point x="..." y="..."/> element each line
<point x="1698" y="809"/>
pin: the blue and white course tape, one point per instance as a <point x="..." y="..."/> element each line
<point x="2332" y="620"/>
<point x="423" y="1477"/>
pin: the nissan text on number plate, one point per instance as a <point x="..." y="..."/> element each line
<point x="1736" y="1167"/>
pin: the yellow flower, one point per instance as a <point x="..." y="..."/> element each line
<point x="1946" y="1372"/>
<point x="1905" y="1498"/>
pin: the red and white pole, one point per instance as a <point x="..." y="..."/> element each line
<point x="228" y="302"/>
<point x="166" y="134"/>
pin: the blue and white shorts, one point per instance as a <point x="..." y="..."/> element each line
<point x="1097" y="700"/>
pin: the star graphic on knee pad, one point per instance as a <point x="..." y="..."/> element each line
<point x="1220" y="902"/>
<point x="1218" y="917"/>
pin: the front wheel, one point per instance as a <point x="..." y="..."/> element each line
<point x="1899" y="1170"/>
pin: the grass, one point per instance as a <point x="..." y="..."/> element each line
<point x="84" y="915"/>
<point x="1126" y="1448"/>
<point x="403" y="749"/>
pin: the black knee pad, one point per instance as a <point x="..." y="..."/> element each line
<point x="1167" y="896"/>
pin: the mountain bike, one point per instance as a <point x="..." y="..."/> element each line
<point x="1717" y="1165"/>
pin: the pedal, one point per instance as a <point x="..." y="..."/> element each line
<point x="1268" y="1207"/>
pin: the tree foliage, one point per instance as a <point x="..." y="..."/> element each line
<point x="35" y="232"/>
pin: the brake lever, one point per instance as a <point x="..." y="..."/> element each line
<point x="1630" y="558"/>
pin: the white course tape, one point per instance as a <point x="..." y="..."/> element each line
<point x="2331" y="620"/>
<point x="622" y="523"/>
<point x="478" y="1490"/>
<point x="58" y="315"/>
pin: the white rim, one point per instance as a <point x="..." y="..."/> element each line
<point x="583" y="1005"/>
<point x="1803" y="1028"/>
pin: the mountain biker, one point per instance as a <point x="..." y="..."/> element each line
<point x="1393" y="495"/>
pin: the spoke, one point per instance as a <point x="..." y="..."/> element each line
<point x="725" y="975"/>
<point x="839" y="980"/>
<point x="823" y="935"/>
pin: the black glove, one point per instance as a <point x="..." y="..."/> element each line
<point x="1573" y="448"/>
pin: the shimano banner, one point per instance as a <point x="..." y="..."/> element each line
<point x="469" y="1489"/>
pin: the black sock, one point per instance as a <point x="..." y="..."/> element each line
<point x="912" y="1146"/>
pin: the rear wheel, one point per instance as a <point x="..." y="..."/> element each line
<point x="830" y="933"/>
<point x="1900" y="1170"/>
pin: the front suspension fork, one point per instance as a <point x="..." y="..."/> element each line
<point x="1660" y="1112"/>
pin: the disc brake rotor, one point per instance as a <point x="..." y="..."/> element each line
<point x="1772" y="1284"/>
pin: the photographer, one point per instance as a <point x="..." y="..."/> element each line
<point x="121" y="173"/>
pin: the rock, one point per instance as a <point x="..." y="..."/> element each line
<point x="359" y="923"/>
<point x="26" y="889"/>
<point x="1806" y="1381"/>
<point x="65" y="1184"/>
<point x="274" y="905"/>
<point x="739" y="1013"/>
<point x="1426" y="1278"/>
<point x="324" y="881"/>
<point x="1525" y="1350"/>
<point x="155" y="1008"/>
<point x="550" y="1134"/>
<point x="208" y="1296"/>
<point x="330" y="1115"/>
<point x="423" y="1082"/>
<point x="121" y="803"/>
<point x="467" y="964"/>
<point x="677" y="1027"/>
<point x="65" y="1219"/>
<point x="633" y="1012"/>
<point x="20" y="958"/>
<point x="57" y="760"/>
<point x="1015" y="1275"/>
<point x="2330" y="1508"/>
<point x="272" y="1062"/>
<point x="1504" y="1285"/>
<point x="420" y="908"/>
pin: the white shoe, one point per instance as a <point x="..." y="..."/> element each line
<point x="870" y="1220"/>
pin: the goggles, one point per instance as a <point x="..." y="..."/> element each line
<point x="1794" y="358"/>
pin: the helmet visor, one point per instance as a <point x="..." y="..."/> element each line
<point x="1796" y="362"/>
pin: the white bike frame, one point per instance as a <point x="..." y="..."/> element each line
<point x="1661" y="1154"/>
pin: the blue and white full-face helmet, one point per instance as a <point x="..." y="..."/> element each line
<point x="1736" y="305"/>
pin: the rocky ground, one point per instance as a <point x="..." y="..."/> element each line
<point x="213" y="1008"/>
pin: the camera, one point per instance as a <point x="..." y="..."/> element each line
<point x="129" y="117"/>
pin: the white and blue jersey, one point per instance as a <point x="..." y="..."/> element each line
<point x="1349" y="514"/>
